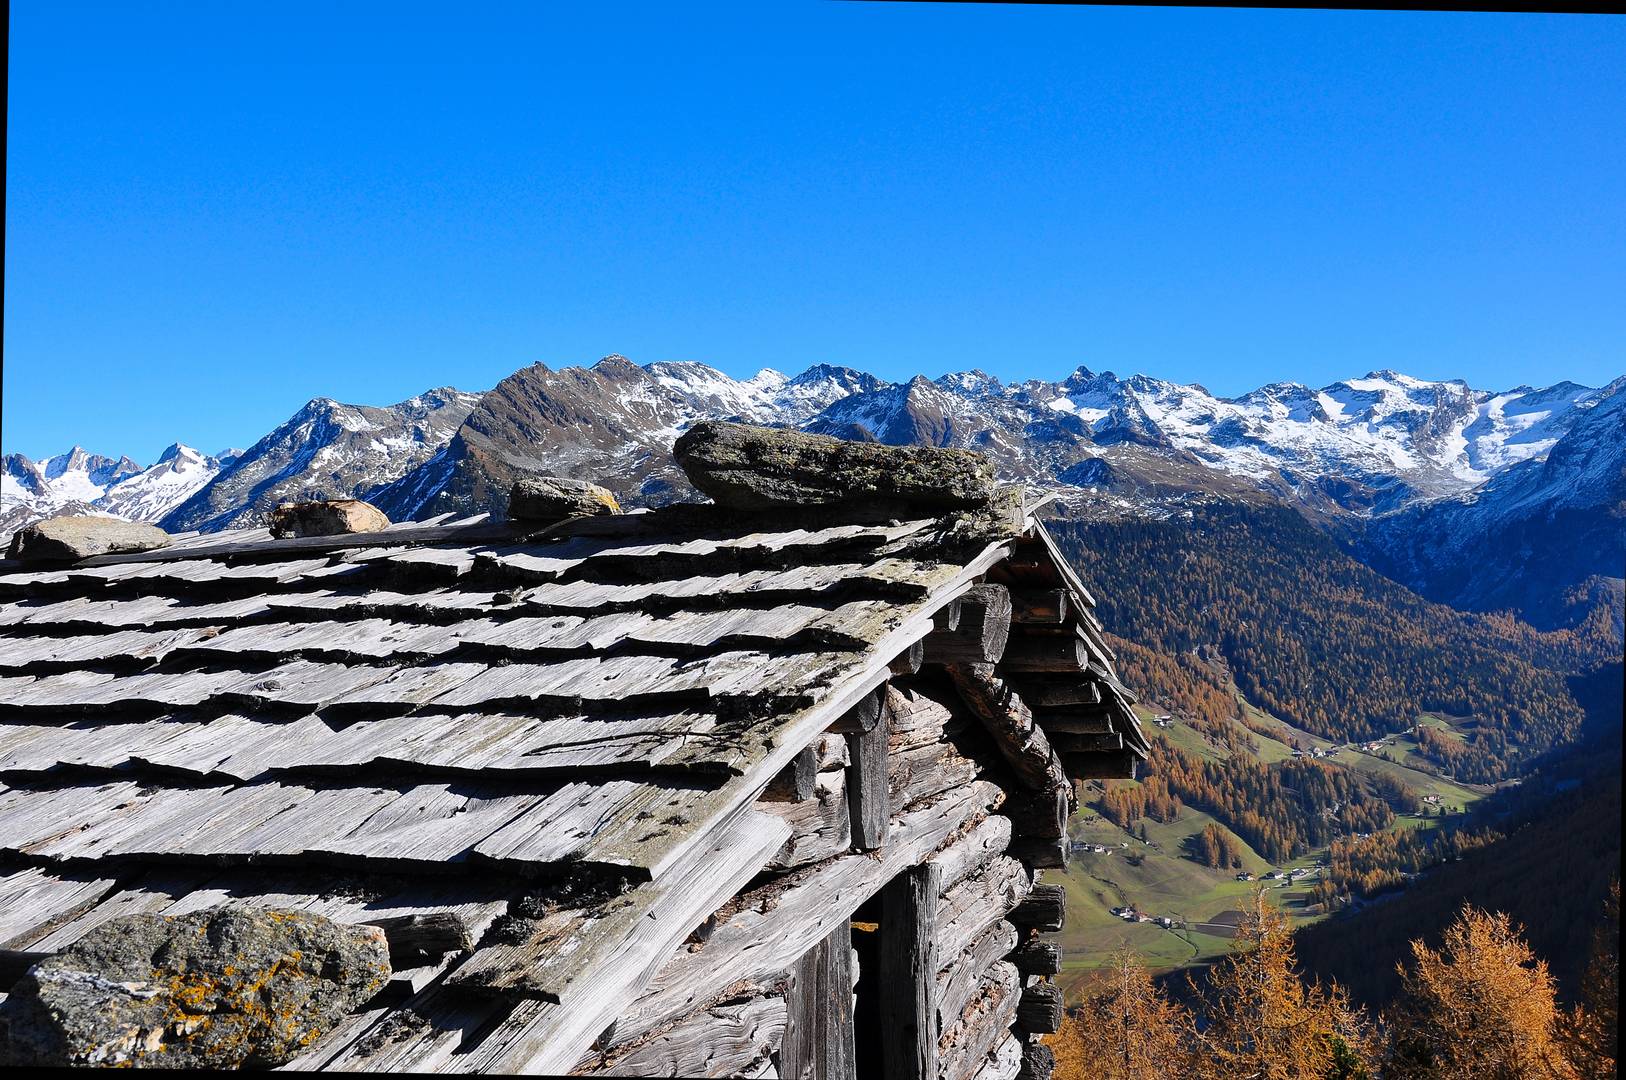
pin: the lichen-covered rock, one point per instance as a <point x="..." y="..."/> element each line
<point x="62" y="539"/>
<point x="332" y="517"/>
<point x="755" y="468"/>
<point x="222" y="988"/>
<point x="553" y="498"/>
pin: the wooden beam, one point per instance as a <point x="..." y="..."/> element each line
<point x="1047" y="653"/>
<point x="947" y="617"/>
<point x="1040" y="1009"/>
<point x="818" y="1042"/>
<point x="1041" y="813"/>
<point x="1077" y="721"/>
<point x="1118" y="765"/>
<point x="1044" y="852"/>
<point x="1044" y="691"/>
<point x="1020" y="741"/>
<point x="1038" y="958"/>
<point x="1045" y="909"/>
<point x="908" y="974"/>
<point x="795" y="782"/>
<point x="1106" y="742"/>
<point x="1038" y="1061"/>
<point x="908" y="662"/>
<point x="982" y="632"/>
<point x="868" y="793"/>
<point x="1039" y="607"/>
<point x="864" y="715"/>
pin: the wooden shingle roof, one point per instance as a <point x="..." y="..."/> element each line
<point x="556" y="734"/>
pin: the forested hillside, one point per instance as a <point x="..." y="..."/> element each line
<point x="1550" y="873"/>
<point x="1325" y="643"/>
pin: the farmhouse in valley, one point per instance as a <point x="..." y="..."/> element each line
<point x="759" y="787"/>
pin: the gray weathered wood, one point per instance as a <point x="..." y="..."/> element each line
<point x="783" y="918"/>
<point x="908" y="966"/>
<point x="1041" y="813"/>
<point x="795" y="781"/>
<point x="863" y="716"/>
<point x="1044" y="909"/>
<point x="725" y="1040"/>
<point x="821" y="826"/>
<point x="1038" y="958"/>
<point x="1057" y="691"/>
<point x="1044" y="852"/>
<point x="818" y="1042"/>
<point x="868" y="793"/>
<point x="909" y="660"/>
<point x="420" y="937"/>
<point x="982" y="632"/>
<point x="963" y="972"/>
<point x="1038" y="1061"/>
<point x="1007" y="719"/>
<point x="1041" y="1008"/>
<point x="1048" y="653"/>
<point x="983" y="1024"/>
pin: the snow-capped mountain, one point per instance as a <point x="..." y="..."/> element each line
<point x="81" y="483"/>
<point x="325" y="450"/>
<point x="1562" y="514"/>
<point x="1406" y="471"/>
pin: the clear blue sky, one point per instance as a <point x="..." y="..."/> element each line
<point x="217" y="211"/>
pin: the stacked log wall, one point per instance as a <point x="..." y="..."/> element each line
<point x="946" y="785"/>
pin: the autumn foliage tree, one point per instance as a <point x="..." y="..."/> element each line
<point x="1264" y="1021"/>
<point x="1483" y="1005"/>
<point x="1590" y="1032"/>
<point x="1127" y="1030"/>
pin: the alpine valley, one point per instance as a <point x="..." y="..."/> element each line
<point x="1375" y="627"/>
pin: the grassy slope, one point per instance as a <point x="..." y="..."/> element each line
<point x="1169" y="882"/>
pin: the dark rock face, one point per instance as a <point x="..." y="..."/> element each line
<point x="63" y="539"/>
<point x="217" y="989"/>
<point x="334" y="517"/>
<point x="753" y="468"/>
<point x="551" y="498"/>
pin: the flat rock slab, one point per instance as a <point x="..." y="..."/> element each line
<point x="218" y="989"/>
<point x="64" y="539"/>
<point x="332" y="517"/>
<point x="553" y="498"/>
<point x="755" y="468"/>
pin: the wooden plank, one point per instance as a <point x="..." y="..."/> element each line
<point x="973" y="849"/>
<point x="868" y="793"/>
<point x="1068" y="743"/>
<point x="629" y="947"/>
<point x="725" y="1040"/>
<point x="820" y="826"/>
<point x="1047" y="691"/>
<point x="222" y="545"/>
<point x="963" y="971"/>
<point x="983" y="1024"/>
<point x="907" y="968"/>
<point x="776" y="923"/>
<point x="818" y="1042"/>
<point x="1120" y="765"/>
<point x="34" y="900"/>
<point x="862" y="717"/>
<point x="1045" y="653"/>
<point x="1005" y="1062"/>
<point x="980" y="900"/>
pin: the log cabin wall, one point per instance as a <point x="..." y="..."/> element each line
<point x="736" y="1000"/>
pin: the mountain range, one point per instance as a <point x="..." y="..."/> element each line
<point x="1451" y="490"/>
